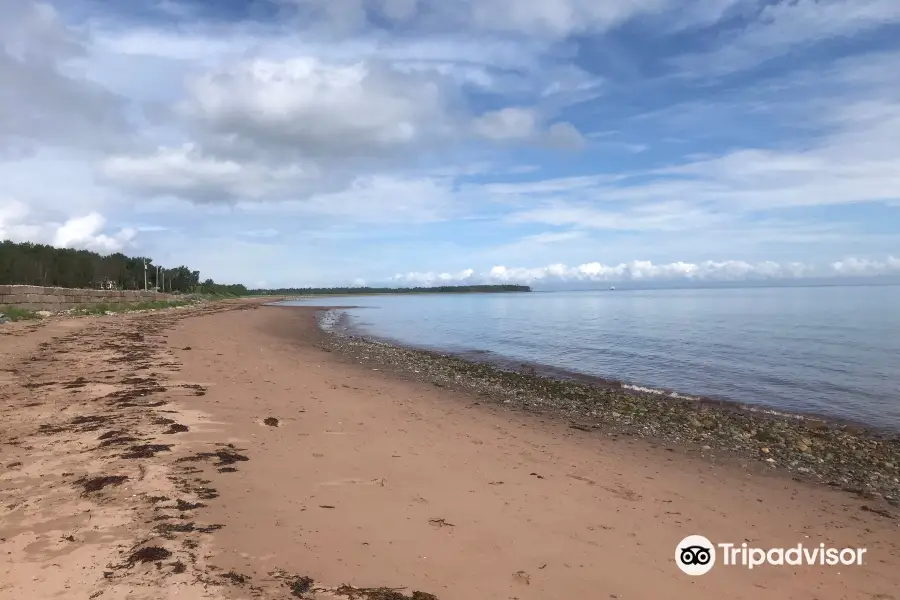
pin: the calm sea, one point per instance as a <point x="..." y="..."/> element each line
<point x="826" y="350"/>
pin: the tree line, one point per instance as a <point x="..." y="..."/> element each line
<point x="39" y="264"/>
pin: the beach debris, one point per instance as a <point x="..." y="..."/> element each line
<point x="235" y="578"/>
<point x="115" y="441"/>
<point x="176" y="428"/>
<point x="148" y="554"/>
<point x="79" y="382"/>
<point x="583" y="427"/>
<point x="95" y="484"/>
<point x="271" y="421"/>
<point x="325" y="506"/>
<point x="439" y="523"/>
<point x="300" y="586"/>
<point x="184" y="505"/>
<point x="146" y="450"/>
<point x="522" y="577"/>
<point x="536" y="475"/>
<point x="879" y="511"/>
<point x="167" y="529"/>
<point x="3" y="319"/>
<point x="226" y="455"/>
<point x="382" y="593"/>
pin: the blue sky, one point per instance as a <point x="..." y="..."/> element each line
<point x="303" y="142"/>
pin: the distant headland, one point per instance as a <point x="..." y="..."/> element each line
<point x="346" y="291"/>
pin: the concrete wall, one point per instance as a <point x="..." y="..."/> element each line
<point x="31" y="297"/>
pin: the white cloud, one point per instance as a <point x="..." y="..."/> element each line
<point x="87" y="233"/>
<point x="564" y="135"/>
<point x="12" y="222"/>
<point x="507" y="124"/>
<point x="43" y="103"/>
<point x="373" y="200"/>
<point x="187" y="172"/>
<point x="18" y="224"/>
<point x="433" y="279"/>
<point x="783" y="26"/>
<point x="311" y="108"/>
<point x="296" y="128"/>
<point x="851" y="158"/>
<point x="517" y="124"/>
<point x="642" y="270"/>
<point x="552" y="18"/>
<point x="862" y="266"/>
<point x="556" y="17"/>
<point x="657" y="216"/>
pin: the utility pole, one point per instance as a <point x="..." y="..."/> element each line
<point x="157" y="278"/>
<point x="145" y="274"/>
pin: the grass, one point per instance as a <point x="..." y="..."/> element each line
<point x="103" y="308"/>
<point x="14" y="313"/>
<point x="213" y="297"/>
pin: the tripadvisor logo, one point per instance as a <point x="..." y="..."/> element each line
<point x="696" y="555"/>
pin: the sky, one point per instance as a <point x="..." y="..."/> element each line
<point x="312" y="142"/>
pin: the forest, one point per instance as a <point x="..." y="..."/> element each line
<point x="38" y="264"/>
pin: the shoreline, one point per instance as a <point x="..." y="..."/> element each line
<point x="849" y="455"/>
<point x="233" y="451"/>
<point x="503" y="363"/>
<point x="562" y="374"/>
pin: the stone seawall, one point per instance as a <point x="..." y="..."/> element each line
<point x="30" y="297"/>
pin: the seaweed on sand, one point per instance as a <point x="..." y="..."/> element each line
<point x="381" y="593"/>
<point x="235" y="578"/>
<point x="95" y="484"/>
<point x="226" y="455"/>
<point x="89" y="419"/>
<point x="146" y="450"/>
<point x="300" y="586"/>
<point x="117" y="441"/>
<point x="147" y="555"/>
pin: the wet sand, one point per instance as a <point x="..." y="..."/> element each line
<point x="369" y="479"/>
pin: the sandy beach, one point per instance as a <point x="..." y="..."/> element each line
<point x="230" y="451"/>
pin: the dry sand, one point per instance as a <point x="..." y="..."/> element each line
<point x="368" y="479"/>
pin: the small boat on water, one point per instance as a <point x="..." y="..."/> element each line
<point x="612" y="288"/>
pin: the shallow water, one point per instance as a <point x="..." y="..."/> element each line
<point x="827" y="350"/>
